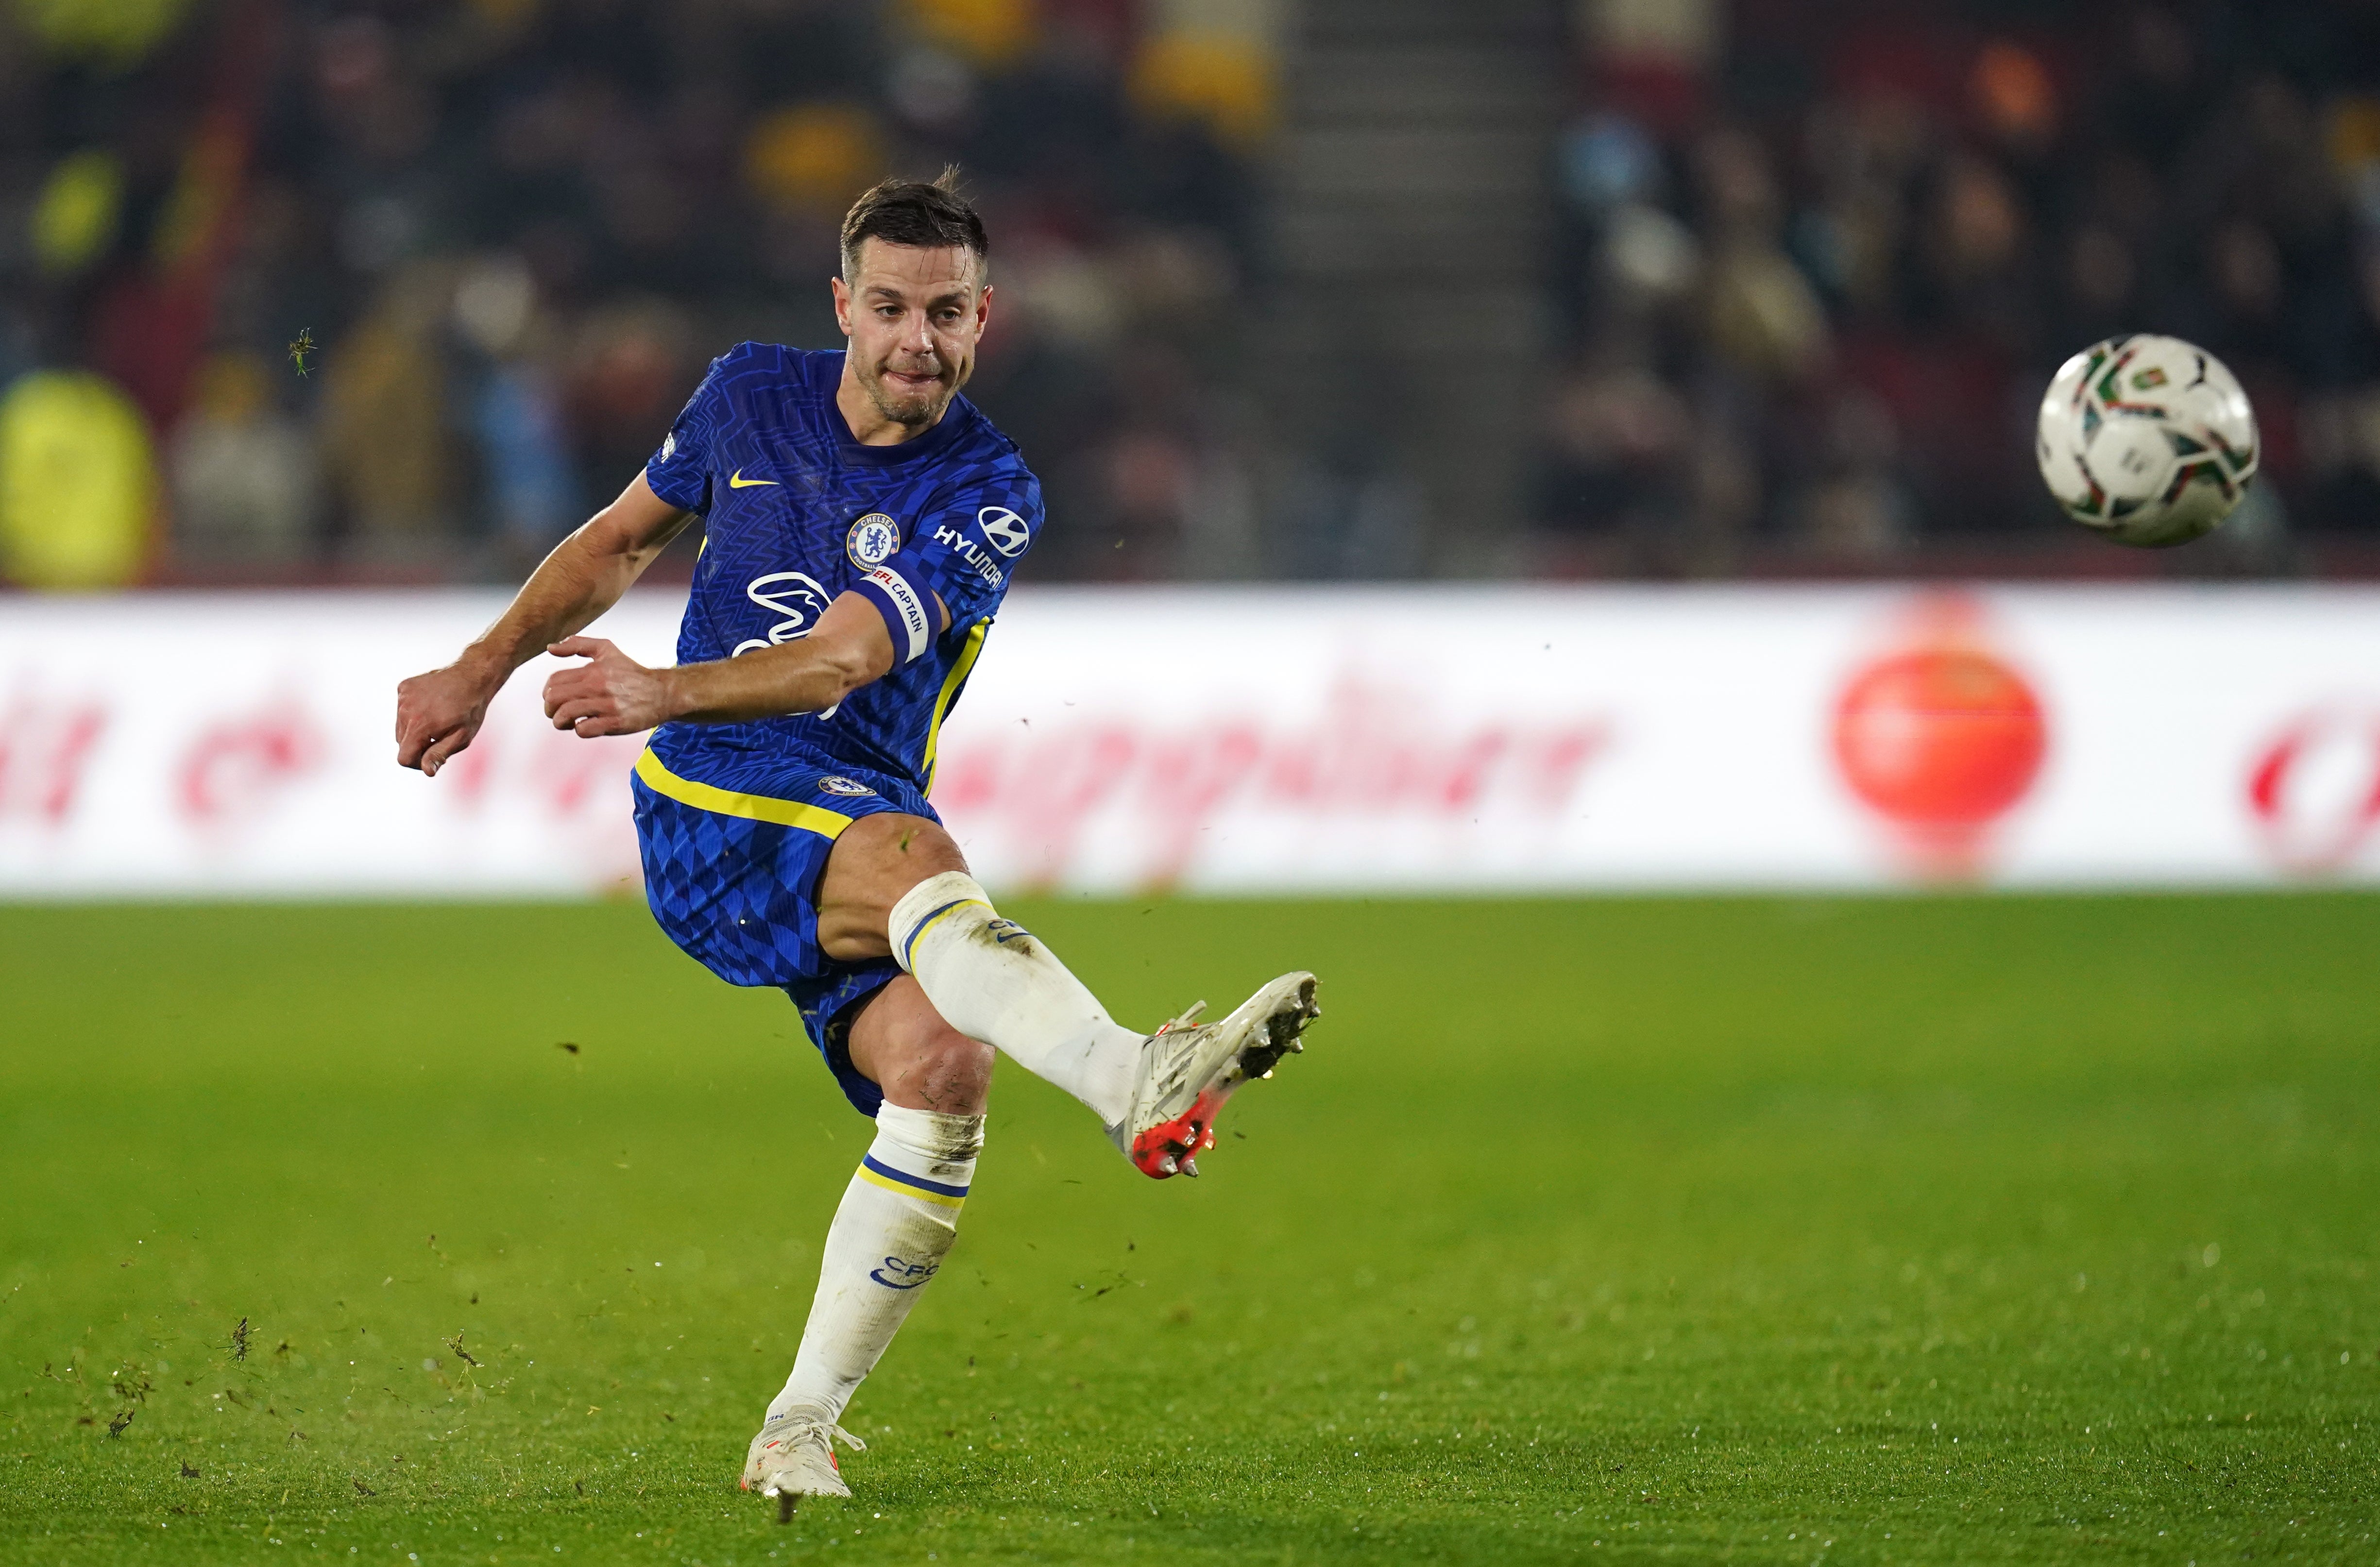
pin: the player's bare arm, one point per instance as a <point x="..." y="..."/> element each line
<point x="438" y="712"/>
<point x="613" y="693"/>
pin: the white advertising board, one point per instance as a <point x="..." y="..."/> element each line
<point x="1280" y="740"/>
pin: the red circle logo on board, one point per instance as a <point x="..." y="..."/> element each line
<point x="1940" y="738"/>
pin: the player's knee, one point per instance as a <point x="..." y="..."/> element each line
<point x="921" y="849"/>
<point x="897" y="846"/>
<point x="952" y="1072"/>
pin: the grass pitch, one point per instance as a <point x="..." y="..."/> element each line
<point x="1927" y="1229"/>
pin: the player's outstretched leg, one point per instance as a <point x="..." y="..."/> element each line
<point x="898" y="1218"/>
<point x="1157" y="1095"/>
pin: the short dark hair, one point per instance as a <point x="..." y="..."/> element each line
<point x="929" y="214"/>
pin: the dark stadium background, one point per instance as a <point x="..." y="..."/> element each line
<point x="1351" y="289"/>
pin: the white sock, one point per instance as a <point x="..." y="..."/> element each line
<point x="898" y="1218"/>
<point x="993" y="981"/>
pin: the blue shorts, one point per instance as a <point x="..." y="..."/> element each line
<point x="732" y="870"/>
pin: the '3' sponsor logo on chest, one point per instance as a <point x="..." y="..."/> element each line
<point x="795" y="595"/>
<point x="798" y="596"/>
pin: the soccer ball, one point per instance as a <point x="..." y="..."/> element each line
<point x="2147" y="440"/>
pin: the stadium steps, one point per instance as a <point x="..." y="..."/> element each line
<point x="1408" y="220"/>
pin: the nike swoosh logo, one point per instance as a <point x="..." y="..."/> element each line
<point x="738" y="481"/>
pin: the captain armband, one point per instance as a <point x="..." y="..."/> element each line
<point x="903" y="593"/>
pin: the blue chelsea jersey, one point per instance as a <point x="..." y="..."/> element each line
<point x="797" y="513"/>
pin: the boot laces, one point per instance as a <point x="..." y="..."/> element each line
<point x="1173" y="1048"/>
<point x="1186" y="1020"/>
<point x="826" y="1433"/>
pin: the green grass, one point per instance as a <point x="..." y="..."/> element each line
<point x="1945" y="1228"/>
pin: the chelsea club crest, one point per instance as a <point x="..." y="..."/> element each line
<point x="874" y="540"/>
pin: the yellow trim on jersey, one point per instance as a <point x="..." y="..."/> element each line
<point x="755" y="808"/>
<point x="937" y="1199"/>
<point x="950" y="683"/>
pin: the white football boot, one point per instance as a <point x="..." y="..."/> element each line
<point x="793" y="1457"/>
<point x="1188" y="1070"/>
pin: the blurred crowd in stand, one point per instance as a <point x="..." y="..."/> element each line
<point x="305" y="291"/>
<point x="1818" y="259"/>
<point x="398" y="290"/>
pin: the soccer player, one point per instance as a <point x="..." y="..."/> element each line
<point x="861" y="521"/>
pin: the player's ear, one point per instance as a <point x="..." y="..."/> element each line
<point x="842" y="292"/>
<point x="982" y="310"/>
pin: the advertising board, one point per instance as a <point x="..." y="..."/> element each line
<point x="1278" y="740"/>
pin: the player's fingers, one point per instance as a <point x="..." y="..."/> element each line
<point x="435" y="756"/>
<point x="409" y="722"/>
<point x="578" y="648"/>
<point x="421" y="753"/>
<point x="568" y="714"/>
<point x="580" y="680"/>
<point x="415" y="735"/>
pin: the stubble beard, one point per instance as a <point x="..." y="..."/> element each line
<point x="914" y="410"/>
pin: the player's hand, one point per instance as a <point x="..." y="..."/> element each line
<point x="437" y="714"/>
<point x="609" y="694"/>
